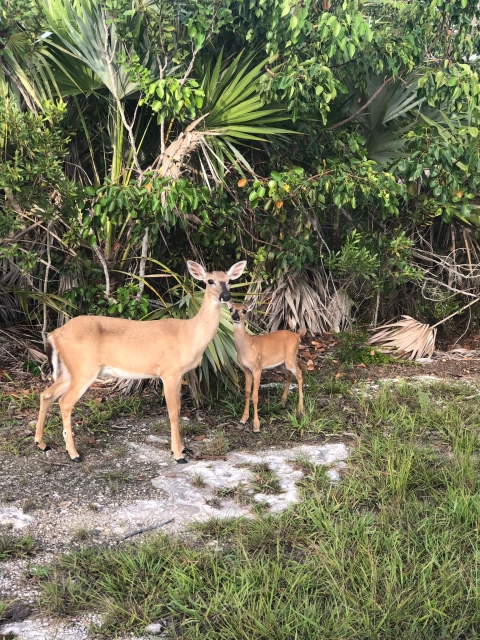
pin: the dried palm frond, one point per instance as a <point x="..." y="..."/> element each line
<point x="296" y="301"/>
<point x="339" y="309"/>
<point x="410" y="336"/>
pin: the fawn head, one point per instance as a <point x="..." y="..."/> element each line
<point x="238" y="310"/>
<point x="218" y="282"/>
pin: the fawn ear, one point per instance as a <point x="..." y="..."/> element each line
<point x="236" y="271"/>
<point x="250" y="304"/>
<point x="196" y="270"/>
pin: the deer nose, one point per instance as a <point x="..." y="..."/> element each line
<point x="225" y="296"/>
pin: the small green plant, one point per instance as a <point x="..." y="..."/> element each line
<point x="239" y="493"/>
<point x="218" y="446"/>
<point x="83" y="533"/>
<point x="32" y="367"/>
<point x="198" y="481"/>
<point x="265" y="479"/>
<point x="352" y="348"/>
<point x="11" y="547"/>
<point x="30" y="504"/>
<point x="4" y="608"/>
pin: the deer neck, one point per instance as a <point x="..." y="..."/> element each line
<point x="240" y="336"/>
<point x="207" y="319"/>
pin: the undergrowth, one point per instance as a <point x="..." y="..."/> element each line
<point x="352" y="348"/>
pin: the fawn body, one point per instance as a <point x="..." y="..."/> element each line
<point x="256" y="353"/>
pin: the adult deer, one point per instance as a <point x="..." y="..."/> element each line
<point x="256" y="353"/>
<point x="90" y="346"/>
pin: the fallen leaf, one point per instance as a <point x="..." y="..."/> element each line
<point x="91" y="441"/>
<point x="362" y="365"/>
<point x="372" y="352"/>
<point x="26" y="392"/>
<point x="199" y="438"/>
<point x="339" y="375"/>
<point x="97" y="399"/>
<point x="242" y="182"/>
<point x="310" y="366"/>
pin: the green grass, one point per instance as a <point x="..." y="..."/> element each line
<point x="16" y="409"/>
<point x="392" y="552"/>
<point x="14" y="548"/>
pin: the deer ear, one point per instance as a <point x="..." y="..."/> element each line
<point x="250" y="304"/>
<point x="236" y="271"/>
<point x="196" y="270"/>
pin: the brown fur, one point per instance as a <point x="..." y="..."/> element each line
<point x="165" y="349"/>
<point x="256" y="353"/>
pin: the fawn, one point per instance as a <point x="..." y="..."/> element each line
<point x="268" y="351"/>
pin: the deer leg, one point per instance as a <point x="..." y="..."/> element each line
<point x="294" y="368"/>
<point x="248" y="393"/>
<point x="172" y="398"/>
<point x="77" y="388"/>
<point x="46" y="398"/>
<point x="299" y="376"/>
<point x="256" y="385"/>
<point x="287" y="387"/>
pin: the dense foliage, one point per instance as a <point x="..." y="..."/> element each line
<point x="338" y="139"/>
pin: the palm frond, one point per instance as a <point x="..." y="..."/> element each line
<point x="388" y="118"/>
<point x="408" y="337"/>
<point x="234" y="116"/>
<point x="80" y="45"/>
<point x="296" y="300"/>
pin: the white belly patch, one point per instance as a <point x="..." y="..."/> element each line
<point x="273" y="366"/>
<point x="122" y="374"/>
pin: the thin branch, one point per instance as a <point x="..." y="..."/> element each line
<point x="143" y="262"/>
<point x="45" y="286"/>
<point x="101" y="257"/>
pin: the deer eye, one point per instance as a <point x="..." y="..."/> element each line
<point x="243" y="311"/>
<point x="229" y="282"/>
<point x="211" y="282"/>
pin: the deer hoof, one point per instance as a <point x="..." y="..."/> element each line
<point x="188" y="451"/>
<point x="181" y="461"/>
<point x="47" y="448"/>
<point x="77" y="459"/>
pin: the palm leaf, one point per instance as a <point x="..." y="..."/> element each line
<point x="409" y="337"/>
<point x="235" y="115"/>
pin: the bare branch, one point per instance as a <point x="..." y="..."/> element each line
<point x="143" y="262"/>
<point x="103" y="262"/>
<point x="45" y="286"/>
